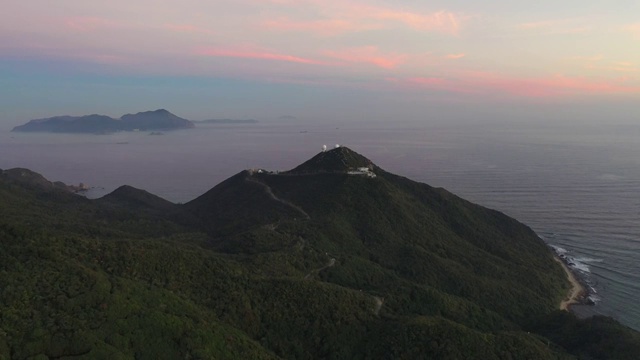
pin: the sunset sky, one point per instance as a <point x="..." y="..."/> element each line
<point x="323" y="58"/>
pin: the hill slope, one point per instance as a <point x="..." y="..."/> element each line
<point x="318" y="262"/>
<point x="388" y="225"/>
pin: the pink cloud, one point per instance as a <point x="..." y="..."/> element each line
<point x="590" y="86"/>
<point x="634" y="29"/>
<point x="335" y="17"/>
<point x="368" y="55"/>
<point x="261" y="55"/>
<point x="558" y="27"/>
<point x="456" y="56"/>
<point x="554" y="86"/>
<point x="546" y="87"/>
<point x="441" y="21"/>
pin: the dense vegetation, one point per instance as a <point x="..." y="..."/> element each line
<point x="297" y="265"/>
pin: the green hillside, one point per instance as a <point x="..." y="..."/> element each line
<point x="324" y="261"/>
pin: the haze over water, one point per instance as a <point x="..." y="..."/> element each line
<point x="577" y="187"/>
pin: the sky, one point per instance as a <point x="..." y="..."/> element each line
<point x="355" y="60"/>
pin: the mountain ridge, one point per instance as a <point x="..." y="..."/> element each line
<point x="323" y="262"/>
<point x="160" y="119"/>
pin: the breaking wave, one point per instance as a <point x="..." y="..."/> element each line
<point x="579" y="266"/>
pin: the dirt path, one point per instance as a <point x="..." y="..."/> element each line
<point x="379" y="301"/>
<point x="273" y="196"/>
<point x="577" y="290"/>
<point x="331" y="263"/>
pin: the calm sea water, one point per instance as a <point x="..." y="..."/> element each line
<point x="578" y="187"/>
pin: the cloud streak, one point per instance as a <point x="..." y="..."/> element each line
<point x="322" y="27"/>
<point x="634" y="29"/>
<point x="455" y="56"/>
<point x="367" y="55"/>
<point x="543" y="87"/>
<point x="557" y="27"/>
<point x="440" y="21"/>
<point x="332" y="17"/>
<point x="260" y="55"/>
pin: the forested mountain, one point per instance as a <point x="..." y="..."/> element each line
<point x="334" y="259"/>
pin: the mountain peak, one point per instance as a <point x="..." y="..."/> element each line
<point x="155" y="120"/>
<point x="339" y="159"/>
<point x="159" y="112"/>
<point x="136" y="198"/>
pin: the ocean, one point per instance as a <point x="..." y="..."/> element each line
<point x="576" y="185"/>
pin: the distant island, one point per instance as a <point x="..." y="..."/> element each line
<point x="228" y="121"/>
<point x="101" y="124"/>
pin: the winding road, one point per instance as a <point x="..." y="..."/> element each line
<point x="273" y="196"/>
